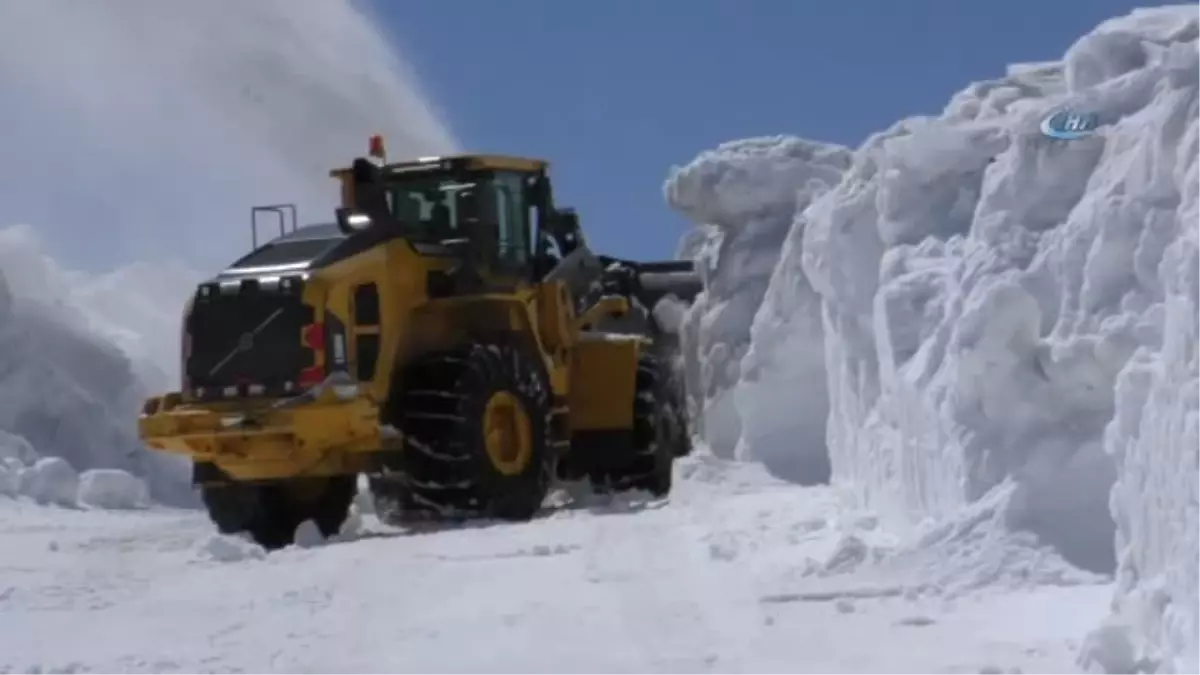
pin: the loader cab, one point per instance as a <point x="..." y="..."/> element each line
<point x="495" y="213"/>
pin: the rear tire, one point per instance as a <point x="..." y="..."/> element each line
<point x="649" y="464"/>
<point x="443" y="406"/>
<point x="271" y="511"/>
<point x="678" y="435"/>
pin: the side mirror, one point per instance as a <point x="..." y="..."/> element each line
<point x="351" y="220"/>
<point x="535" y="191"/>
<point x="567" y="230"/>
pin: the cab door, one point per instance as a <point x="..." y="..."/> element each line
<point x="511" y="262"/>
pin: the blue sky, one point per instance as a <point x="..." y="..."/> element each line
<point x="613" y="93"/>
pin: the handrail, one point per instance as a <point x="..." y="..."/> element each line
<point x="280" y="210"/>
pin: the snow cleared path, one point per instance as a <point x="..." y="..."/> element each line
<point x="714" y="580"/>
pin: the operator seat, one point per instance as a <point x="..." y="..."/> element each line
<point x="408" y="209"/>
<point x="467" y="207"/>
<point x="439" y="220"/>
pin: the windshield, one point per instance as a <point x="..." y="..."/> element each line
<point x="432" y="207"/>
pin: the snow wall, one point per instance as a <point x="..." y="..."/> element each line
<point x="140" y="150"/>
<point x="963" y="303"/>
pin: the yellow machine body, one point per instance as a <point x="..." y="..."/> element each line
<point x="591" y="373"/>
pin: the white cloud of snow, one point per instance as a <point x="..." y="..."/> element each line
<point x="164" y="122"/>
<point x="137" y="153"/>
<point x="972" y="307"/>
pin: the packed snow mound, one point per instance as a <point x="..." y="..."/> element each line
<point x="51" y="480"/>
<point x="67" y="388"/>
<point x="1110" y="649"/>
<point x="973" y="551"/>
<point x="994" y="307"/>
<point x="746" y="194"/>
<point x="112" y="489"/>
<point x="225" y="548"/>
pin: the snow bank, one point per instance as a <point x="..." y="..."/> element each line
<point x="995" y="309"/>
<point x="746" y="193"/>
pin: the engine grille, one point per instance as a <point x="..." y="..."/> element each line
<point x="245" y="338"/>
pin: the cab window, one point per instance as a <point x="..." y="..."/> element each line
<point x="428" y="210"/>
<point x="512" y="227"/>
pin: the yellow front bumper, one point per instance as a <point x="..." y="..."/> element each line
<point x="316" y="438"/>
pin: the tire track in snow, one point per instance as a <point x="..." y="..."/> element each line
<point x="668" y="593"/>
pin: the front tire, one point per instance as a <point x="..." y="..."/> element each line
<point x="678" y="433"/>
<point x="650" y="456"/>
<point x="479" y="437"/>
<point x="271" y="511"/>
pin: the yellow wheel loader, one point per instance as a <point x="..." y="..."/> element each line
<point x="451" y="336"/>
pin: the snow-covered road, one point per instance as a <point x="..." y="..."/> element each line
<point x="736" y="573"/>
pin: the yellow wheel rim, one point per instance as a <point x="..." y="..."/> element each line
<point x="507" y="434"/>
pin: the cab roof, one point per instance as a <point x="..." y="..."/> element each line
<point x="470" y="162"/>
<point x="293" y="251"/>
